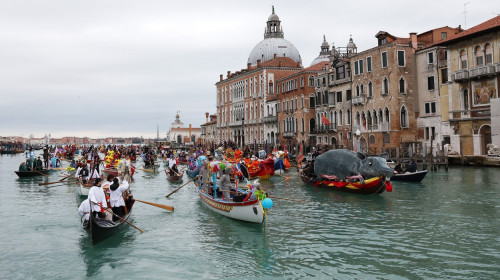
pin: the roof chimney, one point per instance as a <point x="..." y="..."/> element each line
<point x="206" y="115"/>
<point x="249" y="65"/>
<point x="275" y="55"/>
<point x="413" y="40"/>
<point x="258" y="62"/>
<point x="279" y="63"/>
<point x="228" y="73"/>
<point x="189" y="131"/>
<point x="221" y="77"/>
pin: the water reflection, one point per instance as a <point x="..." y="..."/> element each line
<point x="109" y="253"/>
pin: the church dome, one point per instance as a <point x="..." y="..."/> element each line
<point x="351" y="47"/>
<point x="324" y="55"/>
<point x="266" y="49"/>
<point x="273" y="43"/>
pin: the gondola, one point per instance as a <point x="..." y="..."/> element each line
<point x="375" y="185"/>
<point x="83" y="188"/>
<point x="24" y="174"/>
<point x="101" y="229"/>
<point x="417" y="176"/>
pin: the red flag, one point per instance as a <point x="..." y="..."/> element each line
<point x="324" y="120"/>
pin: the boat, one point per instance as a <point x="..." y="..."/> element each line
<point x="410" y="176"/>
<point x="83" y="188"/>
<point x="263" y="171"/>
<point x="375" y="185"/>
<point x="174" y="178"/>
<point x="114" y="172"/>
<point x="192" y="173"/>
<point x="32" y="173"/>
<point x="101" y="229"/>
<point x="248" y="211"/>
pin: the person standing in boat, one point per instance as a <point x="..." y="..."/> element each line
<point x="225" y="184"/>
<point x="124" y="168"/>
<point x="84" y="173"/>
<point x="116" y="199"/>
<point x="46" y="157"/>
<point x="205" y="178"/>
<point x="94" y="173"/>
<point x="84" y="212"/>
<point x="98" y="199"/>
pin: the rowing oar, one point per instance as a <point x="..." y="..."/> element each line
<point x="40" y="173"/>
<point x="174" y="172"/>
<point x="179" y="188"/>
<point x="107" y="210"/>
<point x="57" y="182"/>
<point x="157" y="205"/>
<point x="147" y="170"/>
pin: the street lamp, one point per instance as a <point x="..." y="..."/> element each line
<point x="358" y="142"/>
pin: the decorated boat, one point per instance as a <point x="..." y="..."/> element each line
<point x="417" y="176"/>
<point x="249" y="210"/>
<point x="114" y="172"/>
<point x="375" y="185"/>
<point x="101" y="229"/>
<point x="259" y="169"/>
<point x="32" y="173"/>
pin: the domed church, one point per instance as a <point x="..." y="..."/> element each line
<point x="273" y="43"/>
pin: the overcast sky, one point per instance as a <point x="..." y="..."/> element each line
<point x="121" y="67"/>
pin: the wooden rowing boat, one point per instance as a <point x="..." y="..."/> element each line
<point x="83" y="188"/>
<point x="370" y="186"/>
<point x="24" y="174"/>
<point x="173" y="178"/>
<point x="100" y="229"/>
<point x="249" y="211"/>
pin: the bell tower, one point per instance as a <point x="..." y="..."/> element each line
<point x="273" y="29"/>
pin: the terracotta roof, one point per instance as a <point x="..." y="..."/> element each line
<point x="487" y="25"/>
<point x="317" y="67"/>
<point x="285" y="62"/>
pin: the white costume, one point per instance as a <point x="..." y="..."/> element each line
<point x="96" y="195"/>
<point x="115" y="197"/>
<point x="84" y="209"/>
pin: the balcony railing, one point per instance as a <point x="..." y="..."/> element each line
<point x="460" y="75"/>
<point x="384" y="127"/>
<point x="270" y="119"/>
<point x="497" y="68"/>
<point x="358" y="100"/>
<point x="373" y="127"/>
<point x="326" y="128"/>
<point x="289" y="134"/>
<point x="236" y="123"/>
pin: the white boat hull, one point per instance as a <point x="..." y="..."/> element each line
<point x="249" y="211"/>
<point x="83" y="191"/>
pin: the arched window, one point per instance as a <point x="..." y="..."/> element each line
<point x="479" y="55"/>
<point x="387" y="118"/>
<point x="334" y="119"/>
<point x="370" y="89"/>
<point x="271" y="87"/>
<point x="404" y="117"/>
<point x="369" y="118"/>
<point x="375" y="119"/>
<point x="358" y="118"/>
<point x="357" y="90"/>
<point x="463" y="59"/>
<point x="385" y="86"/>
<point x="348" y="116"/>
<point x="340" y="117"/>
<point x="301" y="81"/>
<point x="488" y="52"/>
<point x="311" y="81"/>
<point x="402" y="88"/>
<point x="380" y="116"/>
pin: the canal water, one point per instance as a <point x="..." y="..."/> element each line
<point x="446" y="227"/>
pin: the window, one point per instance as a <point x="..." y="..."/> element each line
<point x="311" y="81"/>
<point x="404" y="117"/>
<point x="331" y="98"/>
<point x="444" y="35"/>
<point x="361" y="70"/>
<point x="348" y="95"/>
<point x="340" y="72"/>
<point x="444" y="75"/>
<point x="401" y="58"/>
<point x="402" y="85"/>
<point x="271" y="87"/>
<point x="357" y="90"/>
<point x="302" y="101"/>
<point x="369" y="64"/>
<point x="385" y="86"/>
<point x="311" y="102"/>
<point x="387" y="115"/>
<point x="301" y="82"/>
<point x="430" y="58"/>
<point x="463" y="59"/>
<point x="348" y="116"/>
<point x="465" y="99"/>
<point x="384" y="60"/>
<point x="340" y="117"/>
<point x="356" y="68"/>
<point x="488" y="51"/>
<point x="277" y="88"/>
<point x="430" y="83"/>
<point x="370" y="89"/>
<point x="339" y="97"/>
<point x="479" y="56"/>
<point x="430" y="107"/>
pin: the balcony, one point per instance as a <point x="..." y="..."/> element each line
<point x="373" y="127"/>
<point x="358" y="100"/>
<point x="497" y="68"/>
<point x="460" y="75"/>
<point x="326" y="128"/>
<point x="481" y="71"/>
<point x="384" y="127"/>
<point x="236" y="123"/>
<point x="270" y="119"/>
<point x="289" y="134"/>
<point x="331" y="104"/>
